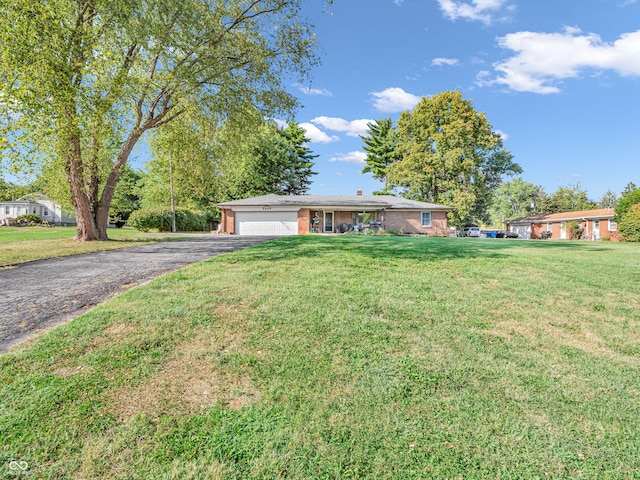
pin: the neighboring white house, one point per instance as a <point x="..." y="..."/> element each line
<point x="37" y="205"/>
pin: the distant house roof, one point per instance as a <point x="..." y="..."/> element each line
<point x="565" y="216"/>
<point x="344" y="201"/>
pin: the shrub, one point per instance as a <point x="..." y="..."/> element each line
<point x="161" y="218"/>
<point x="574" y="229"/>
<point x="29" y="218"/>
<point x="629" y="226"/>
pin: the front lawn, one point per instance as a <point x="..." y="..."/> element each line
<point x="344" y="357"/>
<point x="24" y="244"/>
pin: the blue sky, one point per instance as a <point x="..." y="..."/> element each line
<point x="559" y="79"/>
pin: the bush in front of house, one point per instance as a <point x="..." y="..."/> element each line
<point x="29" y="218"/>
<point x="629" y="226"/>
<point x="161" y="218"/>
<point x="574" y="229"/>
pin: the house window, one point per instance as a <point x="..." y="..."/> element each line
<point x="549" y="227"/>
<point x="46" y="212"/>
<point x="7" y="210"/>
<point x="425" y="219"/>
<point x="613" y="226"/>
<point x="365" y="217"/>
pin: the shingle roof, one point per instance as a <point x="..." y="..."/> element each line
<point x="373" y="201"/>
<point x="577" y="215"/>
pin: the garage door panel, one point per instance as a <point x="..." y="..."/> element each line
<point x="267" y="223"/>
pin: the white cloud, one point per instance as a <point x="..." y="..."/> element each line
<point x="393" y="100"/>
<point x="485" y="11"/>
<point x="314" y="91"/>
<point x="444" y="61"/>
<point x="351" y="157"/>
<point x="281" y="123"/>
<point x="398" y="2"/>
<point x="353" y="128"/>
<point x="502" y="135"/>
<point x="542" y="59"/>
<point x="315" y="135"/>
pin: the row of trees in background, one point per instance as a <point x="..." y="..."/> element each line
<point x="199" y="165"/>
<point x="444" y="151"/>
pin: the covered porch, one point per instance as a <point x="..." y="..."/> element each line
<point x="332" y="220"/>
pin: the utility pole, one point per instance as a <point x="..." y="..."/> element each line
<point x="173" y="203"/>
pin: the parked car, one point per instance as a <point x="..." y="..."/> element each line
<point x="506" y="234"/>
<point x="469" y="232"/>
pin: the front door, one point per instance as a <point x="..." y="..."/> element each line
<point x="596" y="229"/>
<point x="563" y="230"/>
<point x="328" y="222"/>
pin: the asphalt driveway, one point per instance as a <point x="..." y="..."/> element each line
<point x="39" y="295"/>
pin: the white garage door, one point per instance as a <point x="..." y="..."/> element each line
<point x="267" y="223"/>
<point x="523" y="231"/>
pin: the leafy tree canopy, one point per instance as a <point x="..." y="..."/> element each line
<point x="273" y="161"/>
<point x="629" y="197"/>
<point x="450" y="155"/>
<point x="567" y="199"/>
<point x="83" y="80"/>
<point x="515" y="199"/>
<point x="608" y="200"/>
<point x="629" y="225"/>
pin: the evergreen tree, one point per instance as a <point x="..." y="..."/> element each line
<point x="303" y="166"/>
<point x="380" y="145"/>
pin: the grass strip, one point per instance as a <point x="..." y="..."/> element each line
<point x="24" y="244"/>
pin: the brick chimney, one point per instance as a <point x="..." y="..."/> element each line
<point x="359" y="193"/>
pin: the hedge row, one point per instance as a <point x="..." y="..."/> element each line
<point x="161" y="218"/>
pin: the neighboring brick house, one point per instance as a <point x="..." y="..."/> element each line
<point x="595" y="225"/>
<point x="37" y="205"/>
<point x="300" y="214"/>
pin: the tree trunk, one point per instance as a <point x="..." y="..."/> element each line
<point x="86" y="225"/>
<point x="101" y="216"/>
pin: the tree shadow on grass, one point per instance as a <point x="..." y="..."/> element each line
<point x="405" y="248"/>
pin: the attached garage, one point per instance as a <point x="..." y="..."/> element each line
<point x="523" y="231"/>
<point x="266" y="223"/>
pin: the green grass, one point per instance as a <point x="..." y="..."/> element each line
<point x="344" y="358"/>
<point x="24" y="244"/>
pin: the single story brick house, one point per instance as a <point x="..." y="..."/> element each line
<point x="595" y="224"/>
<point x="36" y="205"/>
<point x="301" y="214"/>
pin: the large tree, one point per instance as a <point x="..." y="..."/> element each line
<point x="450" y="155"/>
<point x="303" y="165"/>
<point x="567" y="199"/>
<point x="629" y="197"/>
<point x="268" y="162"/>
<point x="83" y="80"/>
<point x="380" y="145"/>
<point x="185" y="158"/>
<point x="514" y="199"/>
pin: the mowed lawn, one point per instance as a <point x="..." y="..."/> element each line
<point x="344" y="358"/>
